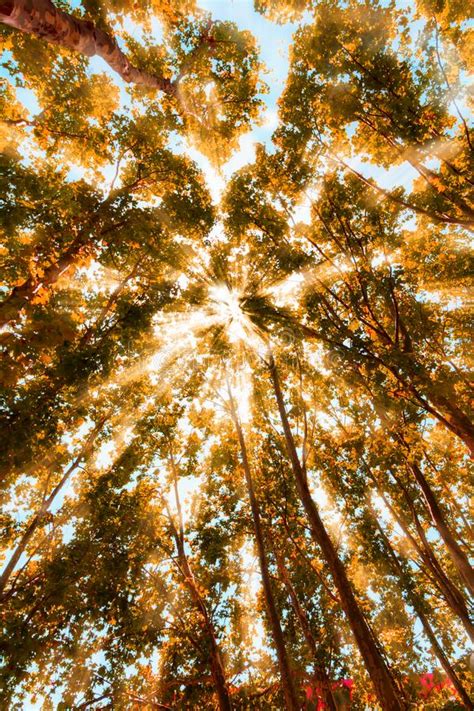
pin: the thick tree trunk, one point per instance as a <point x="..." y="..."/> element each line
<point x="43" y="19"/>
<point x="289" y="691"/>
<point x="44" y="508"/>
<point x="388" y="693"/>
<point x="320" y="673"/>
<point x="416" y="603"/>
<point x="216" y="663"/>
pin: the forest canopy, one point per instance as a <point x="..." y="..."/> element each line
<point x="236" y="428"/>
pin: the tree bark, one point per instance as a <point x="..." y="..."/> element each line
<point x="289" y="691"/>
<point x="43" y="19"/>
<point x="388" y="693"/>
<point x="216" y="663"/>
<point x="449" y="591"/>
<point x="416" y="603"/>
<point x="455" y="551"/>
<point x="321" y="675"/>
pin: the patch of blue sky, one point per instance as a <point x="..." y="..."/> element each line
<point x="99" y="66"/>
<point x="274" y="42"/>
<point x="26" y="96"/>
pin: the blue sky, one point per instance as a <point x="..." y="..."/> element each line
<point x="274" y="41"/>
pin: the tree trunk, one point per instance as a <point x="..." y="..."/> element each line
<point x="321" y="675"/>
<point x="456" y="553"/>
<point x="434" y="216"/>
<point x="23" y="294"/>
<point x="448" y="414"/>
<point x="83" y="243"/>
<point x="44" y="508"/>
<point x="416" y="603"/>
<point x="216" y="663"/>
<point x="43" y="19"/>
<point x="388" y="693"/>
<point x="449" y="591"/>
<point x="217" y="666"/>
<point x="289" y="691"/>
<point x="111" y="301"/>
<point x="455" y="419"/>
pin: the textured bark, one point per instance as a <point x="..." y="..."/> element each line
<point x="289" y="691"/>
<point x="43" y="19"/>
<point x="388" y="693"/>
<point x="44" y="508"/>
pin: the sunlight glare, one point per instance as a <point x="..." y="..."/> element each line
<point x="226" y="303"/>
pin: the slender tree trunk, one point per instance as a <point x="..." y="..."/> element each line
<point x="23" y="294"/>
<point x="43" y="19"/>
<point x="441" y="656"/>
<point x="289" y="691"/>
<point x="386" y="689"/>
<point x="216" y="663"/>
<point x="453" y="597"/>
<point x="419" y="383"/>
<point x="442" y="408"/>
<point x="44" y="508"/>
<point x="417" y="605"/>
<point x="432" y="179"/>
<point x="448" y="414"/>
<point x="83" y="244"/>
<point x="111" y="301"/>
<point x="321" y="675"/>
<point x="455" y="419"/>
<point x="434" y="216"/>
<point x="455" y="551"/>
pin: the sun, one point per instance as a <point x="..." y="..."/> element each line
<point x="227" y="304"/>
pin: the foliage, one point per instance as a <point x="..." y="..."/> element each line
<point x="188" y="385"/>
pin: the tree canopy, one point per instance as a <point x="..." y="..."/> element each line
<point x="236" y="426"/>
